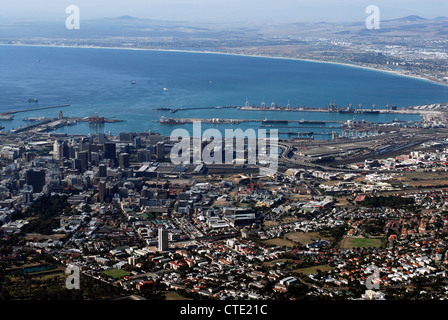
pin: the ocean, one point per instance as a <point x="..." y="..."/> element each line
<point x="95" y="80"/>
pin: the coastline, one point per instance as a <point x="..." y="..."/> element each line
<point x="397" y="73"/>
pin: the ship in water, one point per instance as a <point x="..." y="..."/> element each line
<point x="95" y="119"/>
<point x="267" y="121"/>
<point x="163" y="109"/>
<point x="33" y="100"/>
<point x="368" y="111"/>
<point x="165" y="120"/>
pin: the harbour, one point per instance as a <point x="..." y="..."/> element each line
<point x="177" y="121"/>
<point x="43" y="124"/>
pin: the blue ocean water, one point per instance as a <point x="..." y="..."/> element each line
<point x="99" y="80"/>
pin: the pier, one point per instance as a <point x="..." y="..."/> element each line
<point x="177" y="121"/>
<point x="51" y="124"/>
<point x="199" y="108"/>
<point x="9" y="115"/>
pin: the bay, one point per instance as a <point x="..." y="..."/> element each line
<point x="100" y="80"/>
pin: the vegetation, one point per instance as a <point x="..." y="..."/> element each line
<point x="116" y="273"/>
<point x="374" y="227"/>
<point x="26" y="287"/>
<point x="362" y="243"/>
<point x="393" y="202"/>
<point x="43" y="214"/>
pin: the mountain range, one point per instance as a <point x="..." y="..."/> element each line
<point x="133" y="27"/>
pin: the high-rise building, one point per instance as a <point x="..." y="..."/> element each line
<point x="127" y="136"/>
<point x="102" y="170"/>
<point x="144" y="155"/>
<point x="110" y="150"/>
<point x="36" y="179"/>
<point x="83" y="156"/>
<point x="163" y="239"/>
<point x="102" y="138"/>
<point x="76" y="164"/>
<point x="94" y="158"/>
<point x="160" y="150"/>
<point x="27" y="194"/>
<point x="61" y="150"/>
<point x="124" y="160"/>
<point x="102" y="191"/>
<point x="85" y="145"/>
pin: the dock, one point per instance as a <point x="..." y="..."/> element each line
<point x="201" y="108"/>
<point x="51" y="124"/>
<point x="177" y="121"/>
<point x="9" y="115"/>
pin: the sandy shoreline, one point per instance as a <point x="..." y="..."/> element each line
<point x="397" y="73"/>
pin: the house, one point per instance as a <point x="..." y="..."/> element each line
<point x="280" y="288"/>
<point x="318" y="244"/>
<point x="373" y="295"/>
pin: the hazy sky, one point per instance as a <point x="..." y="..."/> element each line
<point x="222" y="10"/>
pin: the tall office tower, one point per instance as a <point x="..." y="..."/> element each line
<point x="102" y="170"/>
<point x="163" y="239"/>
<point x="61" y="150"/>
<point x="84" y="144"/>
<point x="76" y="164"/>
<point x="160" y="150"/>
<point x="127" y="136"/>
<point x="102" y="191"/>
<point x="35" y="178"/>
<point x="83" y="156"/>
<point x="137" y="142"/>
<point x="144" y="155"/>
<point x="110" y="150"/>
<point x="124" y="160"/>
<point x="94" y="158"/>
<point x="102" y="138"/>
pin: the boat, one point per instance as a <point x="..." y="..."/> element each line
<point x="33" y="100"/>
<point x="133" y="82"/>
<point x="346" y="110"/>
<point x="165" y="120"/>
<point x="312" y="121"/>
<point x="34" y="119"/>
<point x="368" y="111"/>
<point x="266" y="121"/>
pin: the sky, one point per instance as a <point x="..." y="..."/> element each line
<point x="221" y="10"/>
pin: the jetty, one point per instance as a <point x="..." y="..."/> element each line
<point x="9" y="115"/>
<point x="176" y="121"/>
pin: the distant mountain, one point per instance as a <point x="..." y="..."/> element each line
<point x="412" y="18"/>
<point x="127" y="26"/>
<point x="126" y="17"/>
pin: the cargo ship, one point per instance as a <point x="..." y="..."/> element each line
<point x="312" y="121"/>
<point x="266" y="121"/>
<point x="368" y="111"/>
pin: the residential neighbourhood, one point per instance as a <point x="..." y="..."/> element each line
<point x="117" y="209"/>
